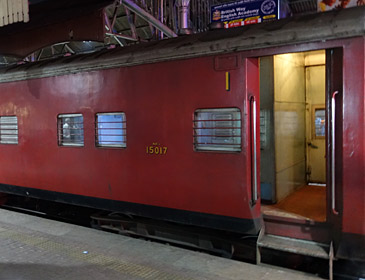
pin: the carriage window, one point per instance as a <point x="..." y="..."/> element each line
<point x="217" y="130"/>
<point x="320" y="122"/>
<point x="71" y="130"/>
<point x="9" y="130"/>
<point x="111" y="130"/>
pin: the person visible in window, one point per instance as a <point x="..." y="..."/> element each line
<point x="66" y="130"/>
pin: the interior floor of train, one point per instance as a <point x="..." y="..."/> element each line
<point x="309" y="202"/>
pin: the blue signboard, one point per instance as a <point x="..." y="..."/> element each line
<point x="245" y="12"/>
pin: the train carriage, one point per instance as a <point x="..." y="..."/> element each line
<point x="249" y="130"/>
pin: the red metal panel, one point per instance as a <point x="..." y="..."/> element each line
<point x="353" y="164"/>
<point x="159" y="101"/>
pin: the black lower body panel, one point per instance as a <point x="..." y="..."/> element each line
<point x="231" y="224"/>
<point x="352" y="246"/>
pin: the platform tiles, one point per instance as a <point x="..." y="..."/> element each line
<point x="33" y="248"/>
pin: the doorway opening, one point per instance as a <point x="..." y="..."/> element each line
<point x="293" y="135"/>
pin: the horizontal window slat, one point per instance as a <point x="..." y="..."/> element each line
<point x="219" y="120"/>
<point x="234" y="127"/>
<point x="214" y="135"/>
<point x="218" y="144"/>
<point x="106" y="135"/>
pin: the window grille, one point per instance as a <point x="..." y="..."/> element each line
<point x="70" y="130"/>
<point x="217" y="130"/>
<point x="111" y="130"/>
<point x="9" y="130"/>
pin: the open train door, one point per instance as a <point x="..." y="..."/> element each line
<point x="334" y="117"/>
<point x="301" y="213"/>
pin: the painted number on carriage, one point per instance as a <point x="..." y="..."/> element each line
<point x="156" y="149"/>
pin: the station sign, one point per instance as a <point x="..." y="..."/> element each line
<point x="243" y="12"/>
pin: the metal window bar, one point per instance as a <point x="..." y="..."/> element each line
<point x="110" y="130"/>
<point x="209" y="120"/>
<point x="8" y="130"/>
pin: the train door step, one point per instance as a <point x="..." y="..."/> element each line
<point x="302" y="229"/>
<point x="296" y="246"/>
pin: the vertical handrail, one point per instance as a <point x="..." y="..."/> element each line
<point x="254" y="151"/>
<point x="333" y="134"/>
<point x="331" y="256"/>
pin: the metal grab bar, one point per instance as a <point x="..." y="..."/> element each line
<point x="333" y="134"/>
<point x="254" y="151"/>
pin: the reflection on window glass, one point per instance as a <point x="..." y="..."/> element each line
<point x="320" y="122"/>
<point x="111" y="130"/>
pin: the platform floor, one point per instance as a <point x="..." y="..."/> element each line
<point x="33" y="248"/>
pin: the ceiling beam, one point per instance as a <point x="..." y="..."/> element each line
<point x="149" y="18"/>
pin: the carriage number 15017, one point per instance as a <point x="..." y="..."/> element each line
<point x="156" y="149"/>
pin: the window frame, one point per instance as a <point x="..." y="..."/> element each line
<point x="123" y="144"/>
<point x="6" y="142"/>
<point x="60" y="132"/>
<point x="236" y="131"/>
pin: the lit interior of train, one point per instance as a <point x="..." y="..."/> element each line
<point x="292" y="135"/>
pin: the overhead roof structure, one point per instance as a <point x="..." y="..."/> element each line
<point x="66" y="27"/>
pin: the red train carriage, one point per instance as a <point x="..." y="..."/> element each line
<point x="176" y="130"/>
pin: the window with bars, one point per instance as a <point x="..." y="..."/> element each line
<point x="8" y="130"/>
<point x="71" y="130"/>
<point x="111" y="130"/>
<point x="217" y="130"/>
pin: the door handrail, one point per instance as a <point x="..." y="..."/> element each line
<point x="254" y="150"/>
<point x="333" y="162"/>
